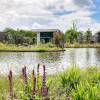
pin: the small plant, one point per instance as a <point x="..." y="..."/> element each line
<point x="34" y="85"/>
<point x="38" y="77"/>
<point x="11" y="94"/>
<point x="24" y="75"/>
<point x="73" y="83"/>
<point x="44" y="88"/>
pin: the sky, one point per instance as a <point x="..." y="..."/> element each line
<point x="48" y="14"/>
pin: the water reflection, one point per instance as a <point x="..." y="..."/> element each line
<point x="55" y="61"/>
<point x="97" y="53"/>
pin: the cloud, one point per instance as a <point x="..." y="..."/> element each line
<point x="47" y="14"/>
<point x="83" y="3"/>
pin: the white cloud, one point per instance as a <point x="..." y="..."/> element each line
<point x="47" y="14"/>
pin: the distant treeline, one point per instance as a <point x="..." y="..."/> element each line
<point x="19" y="36"/>
<point x="71" y="36"/>
<point x="75" y="36"/>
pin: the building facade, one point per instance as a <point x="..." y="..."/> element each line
<point x="2" y="36"/>
<point x="96" y="38"/>
<point x="45" y="35"/>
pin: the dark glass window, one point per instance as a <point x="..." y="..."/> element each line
<point x="46" y="36"/>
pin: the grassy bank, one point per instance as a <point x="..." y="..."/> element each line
<point x="72" y="84"/>
<point x="77" y="45"/>
<point x="40" y="47"/>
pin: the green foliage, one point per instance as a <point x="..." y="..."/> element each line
<point x="88" y="36"/>
<point x="59" y="39"/>
<point x="71" y="77"/>
<point x="82" y="86"/>
<point x="80" y="37"/>
<point x="77" y="84"/>
<point x="71" y="34"/>
<point x="73" y="83"/>
<point x="40" y="47"/>
<point x="19" y="36"/>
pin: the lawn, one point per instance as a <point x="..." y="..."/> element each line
<point x="42" y="47"/>
<point x="39" y="47"/>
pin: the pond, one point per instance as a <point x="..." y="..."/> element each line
<point x="54" y="61"/>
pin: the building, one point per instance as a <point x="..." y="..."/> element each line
<point x="45" y="35"/>
<point x="2" y="36"/>
<point x="96" y="37"/>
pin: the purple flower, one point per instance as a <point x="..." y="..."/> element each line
<point x="24" y="74"/>
<point x="38" y="77"/>
<point x="10" y="84"/>
<point x="44" y="89"/>
<point x="34" y="83"/>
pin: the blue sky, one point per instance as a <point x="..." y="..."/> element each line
<point x="96" y="9"/>
<point x="41" y="14"/>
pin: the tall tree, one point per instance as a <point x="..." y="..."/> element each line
<point x="20" y="36"/>
<point x="88" y="36"/>
<point x="80" y="37"/>
<point x="71" y="34"/>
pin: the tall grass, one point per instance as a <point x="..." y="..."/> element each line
<point x="77" y="45"/>
<point x="77" y="84"/>
<point x="72" y="84"/>
<point x="39" y="47"/>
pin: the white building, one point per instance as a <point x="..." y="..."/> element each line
<point x="45" y="35"/>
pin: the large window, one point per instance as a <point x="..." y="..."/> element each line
<point x="46" y="36"/>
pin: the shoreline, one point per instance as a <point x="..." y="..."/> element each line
<point x="45" y="50"/>
<point x="42" y="47"/>
<point x="82" y="46"/>
<point x="32" y="50"/>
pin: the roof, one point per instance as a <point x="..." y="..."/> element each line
<point x="2" y="33"/>
<point x="45" y="30"/>
<point x="96" y="35"/>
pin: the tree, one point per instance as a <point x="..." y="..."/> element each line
<point x="71" y="34"/>
<point x="88" y="36"/>
<point x="10" y="35"/>
<point x="58" y="39"/>
<point x="80" y="37"/>
<point x="20" y="36"/>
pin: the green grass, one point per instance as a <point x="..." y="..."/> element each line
<point x="40" y="47"/>
<point x="77" y="45"/>
<point x="78" y="84"/>
<point x="73" y="83"/>
<point x="43" y="47"/>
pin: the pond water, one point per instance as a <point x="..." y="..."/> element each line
<point x="54" y="61"/>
